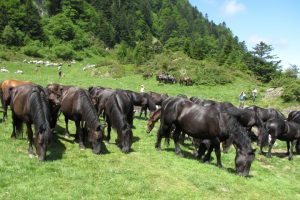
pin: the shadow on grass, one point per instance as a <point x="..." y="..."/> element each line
<point x="56" y="149"/>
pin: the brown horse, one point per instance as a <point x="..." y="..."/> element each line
<point x="155" y="116"/>
<point x="6" y="87"/>
<point x="76" y="105"/>
<point x="29" y="104"/>
<point x="187" y="81"/>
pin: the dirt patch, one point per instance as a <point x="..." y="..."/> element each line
<point x="273" y="93"/>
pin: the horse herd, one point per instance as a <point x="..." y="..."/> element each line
<point x="168" y="78"/>
<point x="207" y="122"/>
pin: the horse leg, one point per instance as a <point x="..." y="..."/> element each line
<point x="79" y="132"/>
<point x="218" y="153"/>
<point x="30" y="139"/>
<point x="176" y="135"/>
<point x="291" y="150"/>
<point x="270" y="146"/>
<point x="67" y="133"/>
<point x="162" y="131"/>
<point x="13" y="134"/>
<point x="145" y="112"/>
<point x="108" y="129"/>
<point x="288" y="147"/>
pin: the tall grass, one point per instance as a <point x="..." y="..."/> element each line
<point x="71" y="173"/>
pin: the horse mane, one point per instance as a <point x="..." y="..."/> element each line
<point x="38" y="103"/>
<point x="238" y="133"/>
<point x="89" y="114"/>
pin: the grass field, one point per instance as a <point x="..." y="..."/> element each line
<point x="71" y="173"/>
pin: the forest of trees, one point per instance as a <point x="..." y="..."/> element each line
<point x="137" y="29"/>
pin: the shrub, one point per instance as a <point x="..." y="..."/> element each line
<point x="33" y="49"/>
<point x="291" y="91"/>
<point x="212" y="75"/>
<point x="64" y="52"/>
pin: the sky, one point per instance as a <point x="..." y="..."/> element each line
<point x="275" y="22"/>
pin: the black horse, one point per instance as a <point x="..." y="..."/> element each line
<point x="142" y="100"/>
<point x="288" y="131"/>
<point x="76" y="105"/>
<point x="119" y="115"/>
<point x="29" y="104"/>
<point x="205" y="123"/>
<point x="157" y="97"/>
<point x="99" y="98"/>
<point x="294" y="116"/>
<point x="265" y="115"/>
<point x="166" y="78"/>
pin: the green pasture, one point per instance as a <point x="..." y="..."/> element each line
<point x="144" y="173"/>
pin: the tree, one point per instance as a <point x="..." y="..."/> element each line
<point x="292" y="71"/>
<point x="263" y="63"/>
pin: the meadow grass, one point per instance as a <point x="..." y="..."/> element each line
<point x="144" y="173"/>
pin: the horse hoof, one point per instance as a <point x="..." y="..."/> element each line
<point x="82" y="147"/>
<point x="158" y="148"/>
<point x="290" y="158"/>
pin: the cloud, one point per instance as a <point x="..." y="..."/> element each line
<point x="254" y="39"/>
<point x="232" y="7"/>
<point x="275" y="42"/>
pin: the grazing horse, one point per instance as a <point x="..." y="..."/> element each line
<point x="187" y="81"/>
<point x="283" y="130"/>
<point x="6" y="87"/>
<point x="153" y="119"/>
<point x="205" y="123"/>
<point x="119" y="115"/>
<point x="29" y="104"/>
<point x="76" y="105"/>
<point x="157" y="98"/>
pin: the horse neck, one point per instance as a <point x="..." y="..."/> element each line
<point x="89" y="114"/>
<point x="156" y="115"/>
<point x="39" y="111"/>
<point x="238" y="134"/>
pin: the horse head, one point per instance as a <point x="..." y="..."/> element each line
<point x="243" y="160"/>
<point x="126" y="138"/>
<point x="96" y="137"/>
<point x="41" y="140"/>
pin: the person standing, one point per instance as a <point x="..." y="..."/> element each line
<point x="254" y="93"/>
<point x="59" y="72"/>
<point x="242" y="99"/>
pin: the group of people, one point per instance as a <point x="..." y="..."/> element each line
<point x="242" y="97"/>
